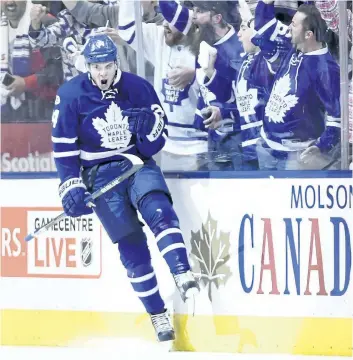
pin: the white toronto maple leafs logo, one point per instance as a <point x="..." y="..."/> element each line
<point x="97" y="45"/>
<point x="280" y="101"/>
<point x="246" y="99"/>
<point x="114" y="129"/>
<point x="207" y="95"/>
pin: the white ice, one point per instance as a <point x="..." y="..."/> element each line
<point x="129" y="349"/>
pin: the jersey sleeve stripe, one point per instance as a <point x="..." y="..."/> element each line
<point x="266" y="26"/>
<point x="63" y="140"/>
<point x="85" y="155"/>
<point x="333" y="124"/>
<point x="66" y="154"/>
<point x="127" y="26"/>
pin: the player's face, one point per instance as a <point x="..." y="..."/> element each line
<point x="297" y="30"/>
<point x="245" y="34"/>
<point x="103" y="74"/>
<point x="13" y="9"/>
<point x="201" y="17"/>
<point x="171" y="34"/>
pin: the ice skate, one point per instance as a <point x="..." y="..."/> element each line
<point x="187" y="285"/>
<point x="162" y="326"/>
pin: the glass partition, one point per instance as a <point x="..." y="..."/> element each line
<point x="239" y="94"/>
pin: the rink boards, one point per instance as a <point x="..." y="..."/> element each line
<point x="273" y="256"/>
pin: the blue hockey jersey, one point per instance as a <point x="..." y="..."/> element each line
<point x="304" y="104"/>
<point x="227" y="66"/>
<point x="251" y="90"/>
<point x="88" y="127"/>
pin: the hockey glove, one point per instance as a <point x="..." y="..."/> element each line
<point x="75" y="198"/>
<point x="144" y="122"/>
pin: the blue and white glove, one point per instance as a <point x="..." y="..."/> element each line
<point x="145" y="122"/>
<point x="75" y="198"/>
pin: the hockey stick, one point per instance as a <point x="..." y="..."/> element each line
<point x="137" y="164"/>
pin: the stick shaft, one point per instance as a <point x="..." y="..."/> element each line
<point x="137" y="165"/>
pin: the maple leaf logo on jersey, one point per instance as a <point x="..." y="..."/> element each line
<point x="246" y="99"/>
<point x="114" y="129"/>
<point x="280" y="101"/>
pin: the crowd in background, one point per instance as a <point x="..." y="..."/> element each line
<point x="246" y="85"/>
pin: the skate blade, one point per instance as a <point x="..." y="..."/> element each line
<point x="191" y="293"/>
<point x="190" y="302"/>
<point x="166" y="346"/>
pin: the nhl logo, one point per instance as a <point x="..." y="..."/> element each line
<point x="86" y="251"/>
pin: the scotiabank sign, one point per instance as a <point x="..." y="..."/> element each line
<point x="71" y="249"/>
<point x="29" y="163"/>
<point x="26" y="147"/>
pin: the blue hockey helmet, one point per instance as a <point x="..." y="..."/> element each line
<point x="100" y="48"/>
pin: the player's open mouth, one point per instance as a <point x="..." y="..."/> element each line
<point x="104" y="82"/>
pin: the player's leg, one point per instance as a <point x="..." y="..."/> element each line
<point x="150" y="195"/>
<point x="121" y="223"/>
<point x="136" y="258"/>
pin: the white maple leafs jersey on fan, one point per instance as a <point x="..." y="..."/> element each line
<point x="178" y="104"/>
<point x="88" y="127"/>
<point x="304" y="104"/>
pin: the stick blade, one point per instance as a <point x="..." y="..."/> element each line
<point x="135" y="160"/>
<point x="29" y="237"/>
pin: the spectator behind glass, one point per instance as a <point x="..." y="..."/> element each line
<point x="330" y="13"/>
<point x="284" y="9"/>
<point x="66" y="32"/>
<point x="37" y="74"/>
<point x="97" y="14"/>
<point x="301" y="127"/>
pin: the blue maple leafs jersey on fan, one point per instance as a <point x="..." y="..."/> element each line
<point x="304" y="104"/>
<point x="227" y="65"/>
<point x="251" y="90"/>
<point x="88" y="127"/>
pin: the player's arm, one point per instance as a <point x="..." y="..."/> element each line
<point x="328" y="90"/>
<point x="72" y="191"/>
<point x="65" y="136"/>
<point x="151" y="33"/>
<point x="147" y="121"/>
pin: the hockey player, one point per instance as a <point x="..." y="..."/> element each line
<point x="99" y="115"/>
